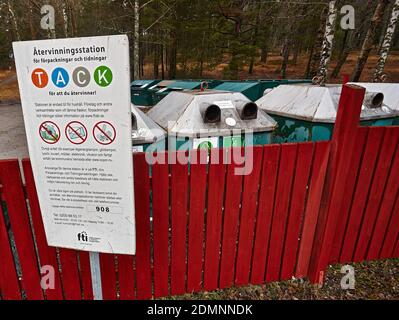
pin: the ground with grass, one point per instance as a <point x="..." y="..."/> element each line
<point x="374" y="280"/>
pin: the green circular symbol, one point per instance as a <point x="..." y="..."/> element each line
<point x="103" y="76"/>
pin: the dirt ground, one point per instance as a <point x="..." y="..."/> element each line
<point x="377" y="280"/>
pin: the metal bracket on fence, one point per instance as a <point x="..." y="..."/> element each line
<point x="96" y="275"/>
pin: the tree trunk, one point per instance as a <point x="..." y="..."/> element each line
<point x="173" y="57"/>
<point x="14" y="21"/>
<point x="343" y="54"/>
<point x="64" y="9"/>
<point x="286" y="55"/>
<point x="162" y="61"/>
<point x="74" y="23"/>
<point x="263" y="54"/>
<point x="314" y="60"/>
<point x="386" y="44"/>
<point x="369" y="39"/>
<point x="30" y="18"/>
<point x="136" y="44"/>
<point x="327" y="42"/>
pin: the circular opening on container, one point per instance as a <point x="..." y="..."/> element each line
<point x="250" y="111"/>
<point x="212" y="113"/>
<point x="134" y="122"/>
<point x="377" y="100"/>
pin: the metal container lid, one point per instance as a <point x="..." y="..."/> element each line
<point x="316" y="103"/>
<point x="182" y="114"/>
<point x="144" y="129"/>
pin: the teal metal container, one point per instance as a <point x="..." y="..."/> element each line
<point x="216" y="119"/>
<point x="177" y="86"/>
<point x="139" y="92"/>
<point x="158" y="88"/>
<point x="251" y="89"/>
<point x="308" y="112"/>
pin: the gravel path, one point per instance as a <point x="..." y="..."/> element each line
<point x="12" y="133"/>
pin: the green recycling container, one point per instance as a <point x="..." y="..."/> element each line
<point x="308" y="112"/>
<point x="139" y="92"/>
<point x="194" y="119"/>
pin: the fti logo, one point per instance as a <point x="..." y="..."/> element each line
<point x="83" y="237"/>
<point x="80" y="76"/>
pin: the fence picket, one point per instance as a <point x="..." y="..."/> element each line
<point x="85" y="275"/>
<point x="126" y="277"/>
<point x="298" y="198"/>
<point x="198" y="179"/>
<point x="142" y="208"/>
<point x="267" y="194"/>
<point x="283" y="195"/>
<point x="248" y="217"/>
<point x="214" y="219"/>
<point x="47" y="255"/>
<point x="383" y="166"/>
<point x="9" y="284"/>
<point x="317" y="181"/>
<point x="160" y="207"/>
<point x="351" y="179"/>
<point x="392" y="233"/>
<point x="179" y="184"/>
<point x="70" y="274"/>
<point x="108" y="276"/>
<point x="384" y="215"/>
<point x="14" y="196"/>
<point x="230" y="225"/>
<point x="362" y="190"/>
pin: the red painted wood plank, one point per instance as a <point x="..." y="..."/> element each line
<point x="382" y="171"/>
<point x="70" y="274"/>
<point x="265" y="212"/>
<point x="342" y="144"/>
<point x="384" y="215"/>
<point x="85" y="275"/>
<point x="295" y="216"/>
<point x="350" y="185"/>
<point x="283" y="196"/>
<point x="216" y="184"/>
<point x="14" y="197"/>
<point x="230" y="225"/>
<point x="9" y="285"/>
<point x="47" y="255"/>
<point x="362" y="191"/>
<point x="160" y="207"/>
<point x="143" y="244"/>
<point x="126" y="277"/>
<point x="198" y="177"/>
<point x="179" y="183"/>
<point x="392" y="233"/>
<point x="396" y="252"/>
<point x="248" y="215"/>
<point x="319" y="169"/>
<point x="108" y="276"/>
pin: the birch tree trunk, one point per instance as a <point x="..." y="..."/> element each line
<point x="64" y="8"/>
<point x="369" y="39"/>
<point x="386" y="44"/>
<point x="327" y="42"/>
<point x="314" y="60"/>
<point x="14" y="20"/>
<point x="136" y="45"/>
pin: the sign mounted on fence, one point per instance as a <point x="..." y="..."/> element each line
<point x="76" y="102"/>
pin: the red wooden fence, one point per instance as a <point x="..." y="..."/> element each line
<point x="302" y="207"/>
